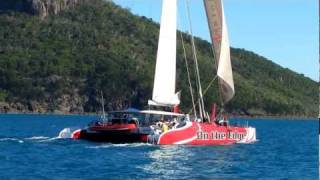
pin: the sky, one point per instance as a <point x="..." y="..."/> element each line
<point x="284" y="31"/>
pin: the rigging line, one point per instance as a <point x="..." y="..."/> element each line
<point x="209" y="85"/>
<point x="196" y="62"/>
<point x="206" y="90"/>
<point x="102" y="103"/>
<point x="220" y="93"/>
<point x="195" y="71"/>
<point x="189" y="33"/>
<point x="201" y="115"/>
<point x="319" y="71"/>
<point x="187" y="67"/>
<point x="215" y="61"/>
<point x="189" y="80"/>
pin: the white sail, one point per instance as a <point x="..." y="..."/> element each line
<point x="165" y="72"/>
<point x="220" y="41"/>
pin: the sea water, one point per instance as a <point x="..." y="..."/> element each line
<point x="31" y="149"/>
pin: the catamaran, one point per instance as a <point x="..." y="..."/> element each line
<point x="171" y="127"/>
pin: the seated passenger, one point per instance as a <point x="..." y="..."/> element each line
<point x="165" y="127"/>
<point x="155" y="129"/>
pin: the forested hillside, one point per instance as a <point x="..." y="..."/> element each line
<point x="60" y="64"/>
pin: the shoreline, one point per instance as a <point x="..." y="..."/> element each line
<point x="293" y="118"/>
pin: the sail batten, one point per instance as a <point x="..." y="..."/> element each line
<point x="220" y="41"/>
<point x="165" y="72"/>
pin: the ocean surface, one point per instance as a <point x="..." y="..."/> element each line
<point x="30" y="149"/>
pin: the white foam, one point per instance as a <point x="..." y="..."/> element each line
<point x="9" y="139"/>
<point x="50" y="139"/>
<point x="131" y="145"/>
<point x="12" y="139"/>
<point x="140" y="144"/>
<point x="99" y="147"/>
<point x="37" y="138"/>
<point x="65" y="133"/>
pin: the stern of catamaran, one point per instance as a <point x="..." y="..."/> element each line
<point x="250" y="137"/>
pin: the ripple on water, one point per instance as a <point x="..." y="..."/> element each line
<point x="30" y="149"/>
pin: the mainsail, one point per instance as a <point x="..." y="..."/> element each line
<point x="220" y="41"/>
<point x="165" y="73"/>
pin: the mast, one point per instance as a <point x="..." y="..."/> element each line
<point x="220" y="43"/>
<point x="189" y="77"/>
<point x="165" y="73"/>
<point x="102" y="103"/>
<point x="319" y="75"/>
<point x="201" y="102"/>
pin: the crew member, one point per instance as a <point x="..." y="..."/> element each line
<point x="165" y="127"/>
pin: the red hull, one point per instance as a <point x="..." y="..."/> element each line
<point x="195" y="133"/>
<point x="114" y="127"/>
<point x="192" y="133"/>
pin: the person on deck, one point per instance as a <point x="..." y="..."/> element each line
<point x="165" y="127"/>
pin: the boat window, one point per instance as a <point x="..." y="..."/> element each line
<point x="124" y="117"/>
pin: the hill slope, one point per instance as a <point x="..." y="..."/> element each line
<point x="61" y="63"/>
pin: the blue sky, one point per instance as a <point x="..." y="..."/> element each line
<point x="284" y="31"/>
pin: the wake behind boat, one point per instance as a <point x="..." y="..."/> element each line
<point x="166" y="127"/>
